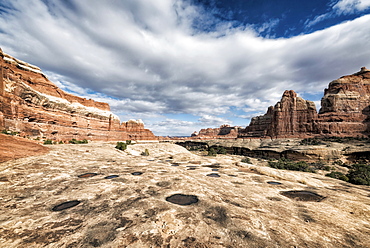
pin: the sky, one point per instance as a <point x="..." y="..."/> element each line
<point x="183" y="65"/>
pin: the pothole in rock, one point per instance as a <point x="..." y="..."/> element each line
<point x="274" y="183"/>
<point x="181" y="199"/>
<point x="137" y="173"/>
<point x="111" y="177"/>
<point x="87" y="175"/>
<point x="66" y="205"/>
<point x="192" y="168"/>
<point x="214" y="169"/>
<point x="213" y="175"/>
<point x="174" y="164"/>
<point x="215" y="166"/>
<point x="303" y="195"/>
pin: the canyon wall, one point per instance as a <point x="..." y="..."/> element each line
<point x="345" y="111"/>
<point x="35" y="107"/>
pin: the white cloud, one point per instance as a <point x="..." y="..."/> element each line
<point x="351" y="6"/>
<point x="146" y="58"/>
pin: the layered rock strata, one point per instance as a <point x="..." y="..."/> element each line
<point x="345" y="111"/>
<point x="224" y="132"/>
<point x="291" y="116"/>
<point x="35" y="107"/>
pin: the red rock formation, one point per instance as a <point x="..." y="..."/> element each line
<point x="34" y="106"/>
<point x="223" y="132"/>
<point x="345" y="106"/>
<point x="345" y="111"/>
<point x="292" y="116"/>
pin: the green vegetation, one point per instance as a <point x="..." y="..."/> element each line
<point x="246" y="160"/>
<point x="310" y="142"/>
<point x="359" y="174"/>
<point x="9" y="132"/>
<point x="212" y="152"/>
<point x="345" y="139"/>
<point x="74" y="141"/>
<point x="121" y="146"/>
<point x="337" y="175"/>
<point x="48" y="142"/>
<point x="145" y="153"/>
<point x="128" y="142"/>
<point x="286" y="164"/>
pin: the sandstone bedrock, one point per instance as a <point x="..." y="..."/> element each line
<point x="46" y="204"/>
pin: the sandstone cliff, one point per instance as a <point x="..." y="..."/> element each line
<point x="345" y="111"/>
<point x="35" y="107"/>
<point x="292" y="116"/>
<point x="345" y="106"/>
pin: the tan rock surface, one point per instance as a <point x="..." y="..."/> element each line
<point x="15" y="147"/>
<point x="237" y="209"/>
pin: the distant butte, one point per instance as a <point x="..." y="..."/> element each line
<point x="345" y="112"/>
<point x="35" y="107"/>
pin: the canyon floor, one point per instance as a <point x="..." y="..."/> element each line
<point x="216" y="201"/>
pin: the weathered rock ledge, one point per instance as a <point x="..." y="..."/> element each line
<point x="291" y="149"/>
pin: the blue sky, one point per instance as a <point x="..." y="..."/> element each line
<point x="182" y="65"/>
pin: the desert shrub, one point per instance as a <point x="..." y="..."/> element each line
<point x="359" y="174"/>
<point x="128" y="142"/>
<point x="286" y="164"/>
<point x="145" y="153"/>
<point x="320" y="165"/>
<point x="74" y="141"/>
<point x="212" y="152"/>
<point x="121" y="146"/>
<point x="337" y="175"/>
<point x="310" y="141"/>
<point x="61" y="142"/>
<point x="345" y="139"/>
<point x="246" y="160"/>
<point x="48" y="142"/>
<point x="9" y="132"/>
<point x="221" y="150"/>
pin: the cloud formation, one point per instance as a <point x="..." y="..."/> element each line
<point x="148" y="60"/>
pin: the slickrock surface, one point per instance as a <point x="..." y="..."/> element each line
<point x="35" y="107"/>
<point x="166" y="199"/>
<point x="15" y="147"/>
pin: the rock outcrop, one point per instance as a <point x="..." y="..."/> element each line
<point x="345" y="112"/>
<point x="292" y="116"/>
<point x="345" y="107"/>
<point x="223" y="132"/>
<point x="35" y="107"/>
